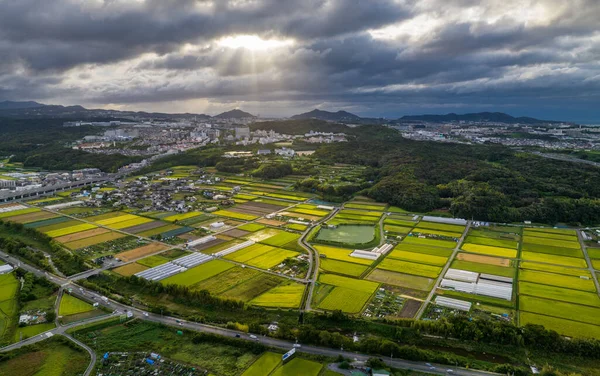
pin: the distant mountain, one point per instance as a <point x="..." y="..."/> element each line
<point x="483" y="117"/>
<point x="342" y="116"/>
<point x="10" y="105"/>
<point x="235" y="114"/>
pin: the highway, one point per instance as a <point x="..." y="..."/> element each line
<point x="119" y="308"/>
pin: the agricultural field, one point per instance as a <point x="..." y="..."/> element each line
<point x="235" y="215"/>
<point x="484" y="264"/>
<point x="264" y="365"/>
<point x="562" y="326"/>
<point x="428" y="250"/>
<point x="349" y="283"/>
<point x="559" y="293"/>
<point x="70" y="230"/>
<point x="251" y="227"/>
<point x="153" y="261"/>
<point x="130" y="269"/>
<point x="557" y="280"/>
<point x="283" y="239"/>
<point x="346" y="234"/>
<point x="418" y="257"/>
<point x="401" y="280"/>
<point x="563" y="310"/>
<point x="70" y="305"/>
<point x="140" y="252"/>
<point x="555" y="269"/>
<point x="299" y="366"/>
<point x="8" y="306"/>
<point x="410" y="268"/>
<point x="429" y="242"/>
<point x="489" y="250"/>
<point x="553" y="259"/>
<point x="198" y="274"/>
<point x="341" y="254"/>
<point x="345" y="299"/>
<point x="342" y="267"/>
<point x="283" y="296"/>
<point x="253" y="287"/>
<point x="93" y="240"/>
<point x="226" y="280"/>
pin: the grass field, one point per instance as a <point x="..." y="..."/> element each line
<point x="484" y="268"/>
<point x="263" y="365"/>
<point x="283" y="296"/>
<point x="345" y="299"/>
<point x="70" y="305"/>
<point x="235" y="215"/>
<point x="402" y="280"/>
<point x="555" y="269"/>
<point x="410" y="268"/>
<point x="298" y="366"/>
<point x="553" y="259"/>
<point x="562" y="326"/>
<point x="563" y="310"/>
<point x="419" y="258"/>
<point x="350" y="283"/>
<point x="342" y="267"/>
<point x="341" y="254"/>
<point x="488" y="250"/>
<point x="70" y="230"/>
<point x="429" y="242"/>
<point x="559" y="293"/>
<point x="198" y="274"/>
<point x="559" y="280"/>
<point x="503" y="243"/>
<point x="9" y="286"/>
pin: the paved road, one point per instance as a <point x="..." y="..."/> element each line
<point x="443" y="273"/>
<point x="589" y="262"/>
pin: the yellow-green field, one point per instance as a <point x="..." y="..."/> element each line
<point x="284" y="296"/>
<point x="350" y="283"/>
<point x="418" y="257"/>
<point x="553" y="259"/>
<point x="489" y="250"/>
<point x="70" y="230"/>
<point x="342" y="267"/>
<point x="198" y="274"/>
<point x="235" y="215"/>
<point x="341" y="254"/>
<point x="70" y="305"/>
<point x="562" y="326"/>
<point x="559" y="280"/>
<point x="410" y="268"/>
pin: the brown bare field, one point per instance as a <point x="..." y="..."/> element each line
<point x="410" y="309"/>
<point x="32" y="217"/>
<point x="81" y="235"/>
<point x="483" y="259"/>
<point x="144" y="227"/>
<point x="211" y="243"/>
<point x="130" y="269"/>
<point x="269" y="208"/>
<point x="270" y="222"/>
<point x="236" y="233"/>
<point x="92" y="240"/>
<point x="140" y="252"/>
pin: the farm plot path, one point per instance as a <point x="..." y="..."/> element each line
<point x="589" y="262"/>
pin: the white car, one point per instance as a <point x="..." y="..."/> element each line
<point x="297" y="345"/>
<point x="253" y="336"/>
<point x="146" y="314"/>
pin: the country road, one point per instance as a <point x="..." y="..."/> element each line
<point x="118" y="308"/>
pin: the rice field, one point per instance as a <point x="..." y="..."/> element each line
<point x="397" y="229"/>
<point x="555" y="269"/>
<point x="563" y="310"/>
<point x="350" y="283"/>
<point x="553" y="259"/>
<point x="430" y="242"/>
<point x="181" y="217"/>
<point x="263" y="365"/>
<point x="70" y="305"/>
<point x="551" y="242"/>
<point x="442" y="226"/>
<point x="93" y="240"/>
<point x="402" y="280"/>
<point x="130" y="269"/>
<point x="70" y="230"/>
<point x="491" y="251"/>
<point x="153" y="261"/>
<point x="558" y="280"/>
<point x="112" y="220"/>
<point x="550" y="235"/>
<point x="484" y="268"/>
<point x="559" y="293"/>
<point x="562" y="326"/>
<point x="352" y="205"/>
<point x="18" y="212"/>
<point x="130" y="223"/>
<point x="226" y="280"/>
<point x="410" y="268"/>
<point x="420" y="230"/>
<point x="251" y="227"/>
<point x="503" y="243"/>
<point x="298" y="366"/>
<point x="198" y="274"/>
<point x="342" y="267"/>
<point x="283" y="296"/>
<point x="281" y="239"/>
<point x="418" y="257"/>
<point x="253" y="287"/>
<point x="318" y="213"/>
<point x="570" y="252"/>
<point x="341" y="254"/>
<point x="157" y="230"/>
<point x="345" y="299"/>
<point x="81" y="235"/>
<point x="436" y="251"/>
<point x="235" y="215"/>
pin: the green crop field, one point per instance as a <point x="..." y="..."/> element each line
<point x="70" y="305"/>
<point x="252" y="227"/>
<point x="430" y="242"/>
<point x="350" y="283"/>
<point x="552" y="231"/>
<point x="504" y="243"/>
<point x="318" y="213"/>
<point x="550" y="235"/>
<point x="570" y="252"/>
<point x="345" y="299"/>
<point x="248" y="253"/>
<point x="198" y="274"/>
<point x="152" y="261"/>
<point x="491" y="251"/>
<point x="130" y="223"/>
<point x="342" y="267"/>
<point x="117" y="219"/>
<point x="594" y="253"/>
<point x="435" y="251"/>
<point x="54" y="224"/>
<point x="421" y="230"/>
<point x="342" y="254"/>
<point x="296" y="226"/>
<point x="253" y="287"/>
<point x="484" y="268"/>
<point x="92" y="240"/>
<point x="410" y="268"/>
<point x="402" y="280"/>
<point x="18" y="212"/>
<point x="442" y="226"/>
<point x="551" y="242"/>
<point x="562" y="326"/>
<point x="418" y="257"/>
<point x="553" y="259"/>
<point x="70" y="230"/>
<point x="226" y="280"/>
<point x="569" y="311"/>
<point x="283" y="296"/>
<point x="263" y="365"/>
<point x="559" y="293"/>
<point x="397" y="229"/>
<point x="361" y="213"/>
<point x="555" y="269"/>
<point x="181" y="217"/>
<point x="272" y="258"/>
<point x="364" y="206"/>
<point x="297" y="366"/>
<point x="347" y="234"/>
<point x="399" y="222"/>
<point x="235" y="215"/>
<point x="281" y="239"/>
<point x="559" y="280"/>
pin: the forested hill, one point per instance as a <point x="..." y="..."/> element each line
<point x="485" y="182"/>
<point x="300" y="126"/>
<point x="495" y="117"/>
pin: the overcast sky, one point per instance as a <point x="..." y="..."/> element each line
<point x="280" y="57"/>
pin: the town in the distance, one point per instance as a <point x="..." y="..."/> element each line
<point x="135" y="243"/>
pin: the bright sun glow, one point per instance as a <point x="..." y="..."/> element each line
<point x="253" y="42"/>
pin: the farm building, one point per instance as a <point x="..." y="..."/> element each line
<point x="453" y="303"/>
<point x="4" y="269"/>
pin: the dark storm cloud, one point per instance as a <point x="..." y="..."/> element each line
<point x="505" y="53"/>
